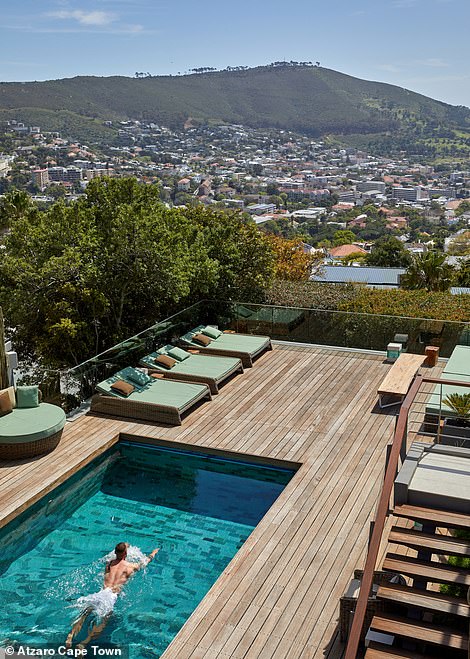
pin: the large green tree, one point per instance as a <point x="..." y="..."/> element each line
<point x="388" y="252"/>
<point x="77" y="278"/>
<point x="430" y="272"/>
<point x="343" y="237"/>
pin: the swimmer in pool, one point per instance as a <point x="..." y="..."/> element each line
<point x="117" y="573"/>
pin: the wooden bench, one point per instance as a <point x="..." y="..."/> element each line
<point x="399" y="378"/>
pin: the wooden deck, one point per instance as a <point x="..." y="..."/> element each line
<point x="279" y="596"/>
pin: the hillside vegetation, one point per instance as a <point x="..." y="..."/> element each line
<point x="311" y="100"/>
<point x="67" y="123"/>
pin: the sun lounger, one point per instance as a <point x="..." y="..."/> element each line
<point x="161" y="400"/>
<point x="210" y="369"/>
<point x="456" y="369"/>
<point x="242" y="346"/>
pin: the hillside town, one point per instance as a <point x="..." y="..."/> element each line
<point x="339" y="200"/>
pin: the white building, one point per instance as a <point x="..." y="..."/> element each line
<point x="408" y="194"/>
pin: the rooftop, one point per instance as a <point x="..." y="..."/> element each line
<point x="366" y="275"/>
<point x="305" y="404"/>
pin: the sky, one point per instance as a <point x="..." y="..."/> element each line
<point x="422" y="45"/>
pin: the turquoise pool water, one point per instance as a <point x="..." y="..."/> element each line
<point x="198" y="509"/>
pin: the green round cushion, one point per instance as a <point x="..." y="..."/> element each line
<point x="30" y="424"/>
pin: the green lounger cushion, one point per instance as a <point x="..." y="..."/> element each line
<point x="30" y="424"/>
<point x="139" y="377"/>
<point x="459" y="362"/>
<point x="435" y="399"/>
<point x="205" y="365"/>
<point x="178" y="353"/>
<point x="162" y="392"/>
<point x="211" y="332"/>
<point x="244" y="312"/>
<point x="250" y="344"/>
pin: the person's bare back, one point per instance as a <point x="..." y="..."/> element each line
<point x="118" y="572"/>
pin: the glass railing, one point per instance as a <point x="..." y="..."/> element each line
<point x="78" y="384"/>
<point x="312" y="326"/>
<point x="358" y="331"/>
<point x="441" y="410"/>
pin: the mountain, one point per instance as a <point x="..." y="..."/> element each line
<point x="308" y="99"/>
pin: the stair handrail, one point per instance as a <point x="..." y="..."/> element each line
<point x="398" y="448"/>
<point x="399" y="439"/>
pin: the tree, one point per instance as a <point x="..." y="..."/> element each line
<point x="77" y="278"/>
<point x="15" y="204"/>
<point x="389" y="253"/>
<point x="460" y="245"/>
<point x="355" y="257"/>
<point x="343" y="237"/>
<point x="464" y="207"/>
<point x="56" y="191"/>
<point x="430" y="272"/>
<point x="463" y="274"/>
<point x="292" y="263"/>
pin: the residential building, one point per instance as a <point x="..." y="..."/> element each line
<point x="184" y="185"/>
<point x="261" y="209"/>
<point x="4" y="167"/>
<point x="369" y="186"/>
<point x="407" y="194"/>
<point x="345" y="251"/>
<point x="40" y="177"/>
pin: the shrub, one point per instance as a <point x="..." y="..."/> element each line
<point x="357" y="298"/>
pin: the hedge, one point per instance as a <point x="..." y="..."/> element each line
<point x="358" y="298"/>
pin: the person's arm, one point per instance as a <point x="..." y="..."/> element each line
<point x="152" y="554"/>
<point x="148" y="558"/>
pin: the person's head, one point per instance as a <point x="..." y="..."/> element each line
<point x="121" y="550"/>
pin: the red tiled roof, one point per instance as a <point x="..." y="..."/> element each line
<point x="346" y="250"/>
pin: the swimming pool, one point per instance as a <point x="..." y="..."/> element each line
<point x="198" y="509"/>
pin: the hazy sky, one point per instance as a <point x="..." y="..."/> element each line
<point x="422" y="45"/>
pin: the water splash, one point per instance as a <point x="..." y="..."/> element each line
<point x="101" y="603"/>
<point x="78" y="580"/>
<point x="134" y="555"/>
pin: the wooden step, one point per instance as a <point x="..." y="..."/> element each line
<point x="420" y="631"/>
<point x="426" y="570"/>
<point x="425" y="599"/>
<point x="445" y="518"/>
<point x="379" y="651"/>
<point x="438" y="544"/>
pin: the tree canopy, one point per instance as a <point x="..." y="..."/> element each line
<point x="388" y="252"/>
<point x="292" y="263"/>
<point x="75" y="279"/>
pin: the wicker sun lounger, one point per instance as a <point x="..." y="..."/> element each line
<point x="242" y="346"/>
<point x="160" y="401"/>
<point x="210" y="369"/>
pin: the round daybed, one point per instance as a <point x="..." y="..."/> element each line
<point x="30" y="431"/>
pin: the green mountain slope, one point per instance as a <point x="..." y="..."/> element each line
<point x="311" y="100"/>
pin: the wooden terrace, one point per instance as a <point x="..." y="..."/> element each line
<point x="279" y="596"/>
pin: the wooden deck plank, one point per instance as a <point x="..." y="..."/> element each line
<point x="279" y="595"/>
<point x="420" y="631"/>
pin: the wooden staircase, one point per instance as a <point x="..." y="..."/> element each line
<point x="423" y="621"/>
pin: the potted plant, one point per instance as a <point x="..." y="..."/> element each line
<point x="456" y="430"/>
